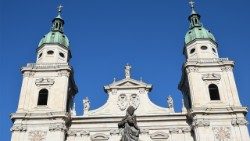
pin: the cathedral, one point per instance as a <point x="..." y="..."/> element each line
<point x="211" y="108"/>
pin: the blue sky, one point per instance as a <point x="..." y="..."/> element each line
<point x="107" y="34"/>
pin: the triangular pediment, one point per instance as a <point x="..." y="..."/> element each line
<point x="128" y="83"/>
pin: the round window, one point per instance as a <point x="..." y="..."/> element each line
<point x="61" y="54"/>
<point x="204" y="47"/>
<point x="50" y="52"/>
<point x="192" y="51"/>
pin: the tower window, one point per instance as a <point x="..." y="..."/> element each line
<point x="192" y="51"/>
<point x="214" y="50"/>
<point x="203" y="47"/>
<point x="40" y="55"/>
<point x="61" y="54"/>
<point x="43" y="97"/>
<point x="50" y="52"/>
<point x="196" y="21"/>
<point x="214" y="92"/>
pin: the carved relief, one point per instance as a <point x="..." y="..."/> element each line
<point x="222" y="133"/>
<point x="134" y="100"/>
<point x="239" y="122"/>
<point x="141" y="91"/>
<point x="28" y="74"/>
<point x="19" y="128"/>
<point x="64" y="73"/>
<point x="114" y="91"/>
<point x="72" y="133"/>
<point x="99" y="137"/>
<point x="122" y="102"/>
<point x="159" y="135"/>
<point x="114" y="132"/>
<point x="200" y="123"/>
<point x="44" y="81"/>
<point x="84" y="133"/>
<point x="78" y="133"/>
<point x="144" y="131"/>
<point x="175" y="130"/>
<point x="211" y="76"/>
<point x="192" y="69"/>
<point x="226" y="68"/>
<point x="57" y="127"/>
<point x="186" y="130"/>
<point x="37" y="135"/>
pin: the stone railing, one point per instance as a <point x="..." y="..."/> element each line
<point x="207" y="60"/>
<point x="47" y="65"/>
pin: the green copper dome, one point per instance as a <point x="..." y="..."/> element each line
<point x="56" y="35"/>
<point x="196" y="29"/>
<point x="198" y="33"/>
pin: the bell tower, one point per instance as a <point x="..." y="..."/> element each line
<point x="208" y="86"/>
<point x="47" y="91"/>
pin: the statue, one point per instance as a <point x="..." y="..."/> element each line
<point x="129" y="124"/>
<point x="170" y="102"/>
<point x="86" y="104"/>
<point x="127" y="71"/>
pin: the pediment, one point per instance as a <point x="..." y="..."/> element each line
<point x="128" y="83"/>
<point x="159" y="135"/>
<point x="99" y="137"/>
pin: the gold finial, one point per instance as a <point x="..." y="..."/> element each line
<point x="59" y="9"/>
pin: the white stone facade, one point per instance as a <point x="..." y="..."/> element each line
<point x="211" y="107"/>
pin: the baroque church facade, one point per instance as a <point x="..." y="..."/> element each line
<point x="211" y="108"/>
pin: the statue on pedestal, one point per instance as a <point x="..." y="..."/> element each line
<point x="131" y="130"/>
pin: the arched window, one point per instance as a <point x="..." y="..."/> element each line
<point x="214" y="92"/>
<point x="43" y="97"/>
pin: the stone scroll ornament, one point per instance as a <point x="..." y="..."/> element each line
<point x="129" y="125"/>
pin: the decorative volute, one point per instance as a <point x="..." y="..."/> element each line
<point x="128" y="92"/>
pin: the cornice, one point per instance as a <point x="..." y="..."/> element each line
<point x="46" y="67"/>
<point x="47" y="115"/>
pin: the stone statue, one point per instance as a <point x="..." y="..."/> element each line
<point x="127" y="71"/>
<point x="86" y="104"/>
<point x="170" y="102"/>
<point x="129" y="124"/>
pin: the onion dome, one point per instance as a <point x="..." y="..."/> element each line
<point x="56" y="35"/>
<point x="196" y="29"/>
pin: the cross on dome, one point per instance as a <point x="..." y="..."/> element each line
<point x="191" y="2"/>
<point x="59" y="9"/>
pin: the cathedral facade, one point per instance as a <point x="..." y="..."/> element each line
<point x="211" y="109"/>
